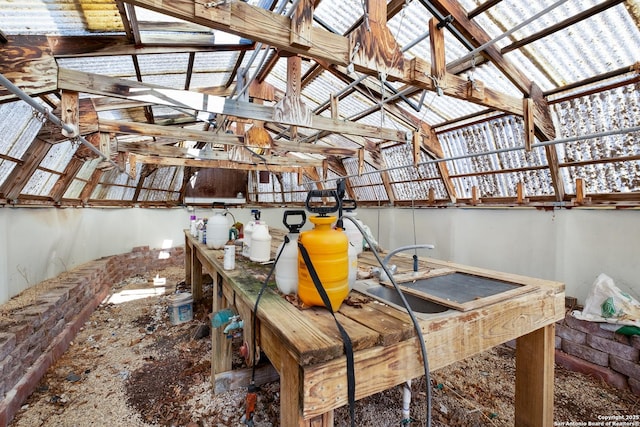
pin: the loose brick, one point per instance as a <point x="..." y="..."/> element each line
<point x="6" y="365"/>
<point x="626" y="367"/>
<point x="624" y="339"/>
<point x="573" y="335"/>
<point x="581" y="325"/>
<point x="613" y="347"/>
<point x="634" y="385"/>
<point x="558" y="342"/>
<point x="635" y="341"/>
<point x="587" y="353"/>
<point x="7" y="344"/>
<point x="576" y="364"/>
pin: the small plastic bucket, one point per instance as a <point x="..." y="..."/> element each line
<point x="180" y="308"/>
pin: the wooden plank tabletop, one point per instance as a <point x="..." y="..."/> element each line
<point x="310" y="334"/>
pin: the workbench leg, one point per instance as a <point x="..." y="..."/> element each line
<point x="196" y="278"/>
<point x="220" y="344"/>
<point x="291" y="394"/>
<point x="188" y="260"/>
<point x="535" y="354"/>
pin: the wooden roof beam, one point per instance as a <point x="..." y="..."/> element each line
<point x="273" y="29"/>
<point x="122" y="88"/>
<point x="545" y="129"/>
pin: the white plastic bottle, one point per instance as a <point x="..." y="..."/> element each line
<point x="353" y="233"/>
<point x="246" y="240"/>
<point x="217" y="230"/>
<point x="260" y="250"/>
<point x="286" y="269"/>
<point x="353" y="265"/>
<point x="193" y="227"/>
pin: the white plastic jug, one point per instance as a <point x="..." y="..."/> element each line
<point x="217" y="230"/>
<point x="287" y="263"/>
<point x="353" y="265"/>
<point x="260" y="249"/>
<point x="353" y="233"/>
<point x="246" y="240"/>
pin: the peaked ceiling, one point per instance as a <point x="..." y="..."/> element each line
<point x="429" y="103"/>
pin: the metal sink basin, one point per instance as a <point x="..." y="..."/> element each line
<point x="444" y="290"/>
<point x="390" y="296"/>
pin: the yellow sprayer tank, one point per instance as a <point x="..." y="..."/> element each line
<point x="328" y="251"/>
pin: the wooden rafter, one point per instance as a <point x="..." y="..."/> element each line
<point x="120" y="88"/>
<point x="252" y="22"/>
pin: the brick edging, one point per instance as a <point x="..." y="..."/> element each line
<point x="44" y="330"/>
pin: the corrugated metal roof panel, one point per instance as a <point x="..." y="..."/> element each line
<point x="59" y="17"/>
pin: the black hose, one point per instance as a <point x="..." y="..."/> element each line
<point x="414" y="320"/>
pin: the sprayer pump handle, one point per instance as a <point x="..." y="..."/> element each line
<point x="323" y="208"/>
<point x="296" y="226"/>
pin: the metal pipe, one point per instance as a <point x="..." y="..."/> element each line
<point x="52" y="117"/>
<point x="406" y="248"/>
<point x="258" y="47"/>
<point x="497" y="151"/>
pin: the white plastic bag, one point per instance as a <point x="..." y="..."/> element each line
<point x="607" y="303"/>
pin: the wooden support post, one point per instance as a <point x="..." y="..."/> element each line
<point x="196" y="279"/>
<point x="189" y="253"/>
<point x="334" y="103"/>
<point x="132" y="166"/>
<point x="432" y="195"/>
<point x="325" y="169"/>
<point x="520" y="191"/>
<point x="416" y="148"/>
<point x="301" y="24"/>
<point x="535" y="355"/>
<point x="220" y="345"/>
<point x="475" y="199"/>
<point x="360" y="161"/>
<point x="529" y="124"/>
<point x="436" y="37"/>
<point x="70" y="112"/>
<point x="581" y="191"/>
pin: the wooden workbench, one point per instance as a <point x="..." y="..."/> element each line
<point x="306" y="350"/>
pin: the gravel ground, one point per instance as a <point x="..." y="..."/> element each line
<point x="130" y="366"/>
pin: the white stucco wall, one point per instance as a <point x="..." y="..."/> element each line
<point x="572" y="246"/>
<point x="40" y="243"/>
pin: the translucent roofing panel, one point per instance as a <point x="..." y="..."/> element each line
<point x="604" y="178"/>
<point x="59" y="156"/>
<point x="40" y="183"/>
<point x="340" y="14"/>
<point x="466" y="145"/>
<point x="114" y="66"/>
<point x="112" y="192"/>
<point x="17" y="129"/>
<point x="604" y="42"/>
<point x="410" y="182"/>
<point x="173" y="81"/>
<point x="68" y="17"/>
<point x="170" y="63"/>
<point x="292" y="191"/>
<point x="368" y="186"/>
<point x="614" y="111"/>
<point x="84" y="174"/>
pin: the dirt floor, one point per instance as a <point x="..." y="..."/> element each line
<point x="130" y="366"/>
